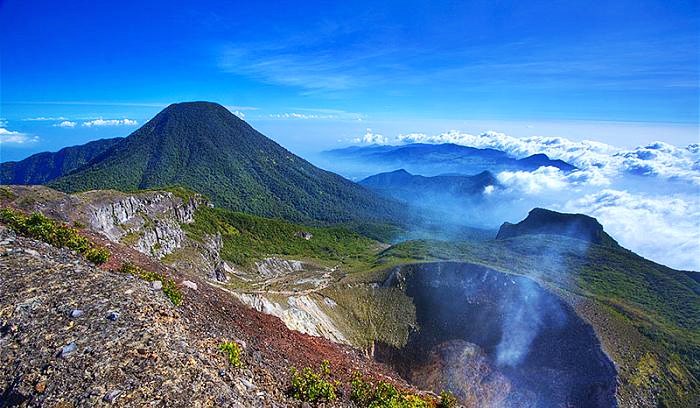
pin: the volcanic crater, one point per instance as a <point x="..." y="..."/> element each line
<point x="498" y="340"/>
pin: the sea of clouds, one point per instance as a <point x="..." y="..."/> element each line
<point x="647" y="198"/>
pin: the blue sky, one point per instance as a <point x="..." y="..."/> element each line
<point x="315" y="74"/>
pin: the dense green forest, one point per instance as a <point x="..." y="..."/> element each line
<point x="206" y="148"/>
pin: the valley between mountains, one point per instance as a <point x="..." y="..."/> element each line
<point x="197" y="263"/>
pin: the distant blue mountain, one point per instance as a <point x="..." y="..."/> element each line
<point x="405" y="186"/>
<point x="43" y="167"/>
<point x="432" y="160"/>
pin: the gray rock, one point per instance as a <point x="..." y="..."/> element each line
<point x="31" y="252"/>
<point x="68" y="349"/>
<point x="157" y="285"/>
<point x="247" y="383"/>
<point x="112" y="396"/>
<point x="112" y="315"/>
<point x="153" y="218"/>
<point x="304" y="234"/>
<point x="189" y="284"/>
<point x="76" y="313"/>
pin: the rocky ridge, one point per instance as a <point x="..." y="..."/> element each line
<point x="151" y="222"/>
<point x="77" y="335"/>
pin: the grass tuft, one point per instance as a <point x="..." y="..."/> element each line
<point x="313" y="386"/>
<point x="170" y="288"/>
<point x="233" y="353"/>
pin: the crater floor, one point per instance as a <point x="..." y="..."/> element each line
<point x="498" y="339"/>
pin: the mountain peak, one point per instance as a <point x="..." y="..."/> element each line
<point x="198" y="110"/>
<point x="194" y="105"/>
<point x="208" y="149"/>
<point x="543" y="221"/>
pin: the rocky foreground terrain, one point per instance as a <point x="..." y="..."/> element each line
<point x="75" y="335"/>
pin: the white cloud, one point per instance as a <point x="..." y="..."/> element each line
<point x="65" y="124"/>
<point x="657" y="159"/>
<point x="110" y="122"/>
<point x="585" y="153"/>
<point x="647" y="214"/>
<point x="44" y="118"/>
<point x="372" y="138"/>
<point x="295" y="115"/>
<point x="664" y="229"/>
<point x="548" y="178"/>
<point x="317" y="113"/>
<point x="12" y="137"/>
<point x="534" y="182"/>
<point x="664" y="160"/>
<point x="238" y="113"/>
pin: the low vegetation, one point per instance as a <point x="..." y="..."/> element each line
<point x="366" y="393"/>
<point x="316" y="386"/>
<point x="6" y="193"/>
<point x="447" y="400"/>
<point x="367" y="314"/>
<point x="233" y="353"/>
<point x="170" y="288"/>
<point x="313" y="386"/>
<point x="382" y="394"/>
<point x="248" y="238"/>
<point x="58" y="234"/>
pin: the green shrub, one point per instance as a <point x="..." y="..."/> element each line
<point x="384" y="395"/>
<point x="311" y="386"/>
<point x="97" y="255"/>
<point x="172" y="291"/>
<point x="170" y="288"/>
<point x="233" y="353"/>
<point x="447" y="400"/>
<point x="6" y="193"/>
<point x="43" y="228"/>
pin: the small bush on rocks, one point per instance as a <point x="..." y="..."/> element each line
<point x="313" y="386"/>
<point x="447" y="400"/>
<point x="43" y="228"/>
<point x="170" y="288"/>
<point x="364" y="393"/>
<point x="97" y="256"/>
<point x="233" y="353"/>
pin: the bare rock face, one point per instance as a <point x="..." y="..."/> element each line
<point x="300" y="313"/>
<point x="203" y="258"/>
<point x="274" y="267"/>
<point x="304" y="234"/>
<point x="149" y="222"/>
<point x="217" y="269"/>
